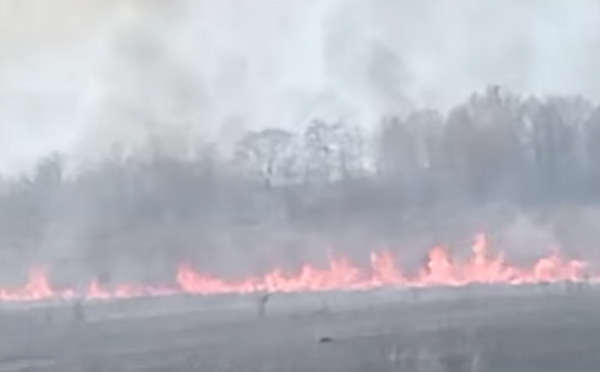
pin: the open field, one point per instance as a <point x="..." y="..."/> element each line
<point x="537" y="328"/>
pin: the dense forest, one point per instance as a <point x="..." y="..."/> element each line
<point x="283" y="196"/>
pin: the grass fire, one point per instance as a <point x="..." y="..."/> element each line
<point x="483" y="267"/>
<point x="299" y="185"/>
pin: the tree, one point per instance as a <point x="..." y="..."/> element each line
<point x="332" y="151"/>
<point x="266" y="154"/>
<point x="558" y="143"/>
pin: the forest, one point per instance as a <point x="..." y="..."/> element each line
<point x="284" y="196"/>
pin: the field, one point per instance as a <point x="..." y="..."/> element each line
<point x="535" y="328"/>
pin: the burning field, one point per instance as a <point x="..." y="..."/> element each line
<point x="478" y="314"/>
<point x="475" y="328"/>
<point x="440" y="270"/>
<point x="172" y="171"/>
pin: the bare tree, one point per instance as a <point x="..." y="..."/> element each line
<point x="266" y="153"/>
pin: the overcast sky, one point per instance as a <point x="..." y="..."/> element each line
<point x="78" y="75"/>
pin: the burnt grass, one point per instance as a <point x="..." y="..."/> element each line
<point x="544" y="330"/>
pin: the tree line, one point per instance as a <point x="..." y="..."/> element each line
<point x="281" y="187"/>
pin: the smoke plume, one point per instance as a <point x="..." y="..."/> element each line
<point x="77" y="76"/>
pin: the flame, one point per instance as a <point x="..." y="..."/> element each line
<point x="441" y="269"/>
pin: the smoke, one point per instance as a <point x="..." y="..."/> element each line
<point x="78" y="75"/>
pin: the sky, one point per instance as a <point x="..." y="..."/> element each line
<point x="77" y="76"/>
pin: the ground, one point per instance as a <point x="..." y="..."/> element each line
<point x="539" y="328"/>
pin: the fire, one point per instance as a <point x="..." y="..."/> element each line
<point x="441" y="269"/>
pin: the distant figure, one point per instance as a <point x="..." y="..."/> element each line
<point x="78" y="311"/>
<point x="262" y="305"/>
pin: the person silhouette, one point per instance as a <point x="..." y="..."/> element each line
<point x="78" y="311"/>
<point x="262" y="305"/>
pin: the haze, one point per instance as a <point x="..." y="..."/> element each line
<point x="76" y="76"/>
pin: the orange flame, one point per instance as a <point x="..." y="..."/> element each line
<point x="441" y="269"/>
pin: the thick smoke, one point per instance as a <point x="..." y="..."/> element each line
<point x="77" y="76"/>
<point x="158" y="106"/>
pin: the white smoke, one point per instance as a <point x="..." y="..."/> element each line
<point x="78" y="75"/>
